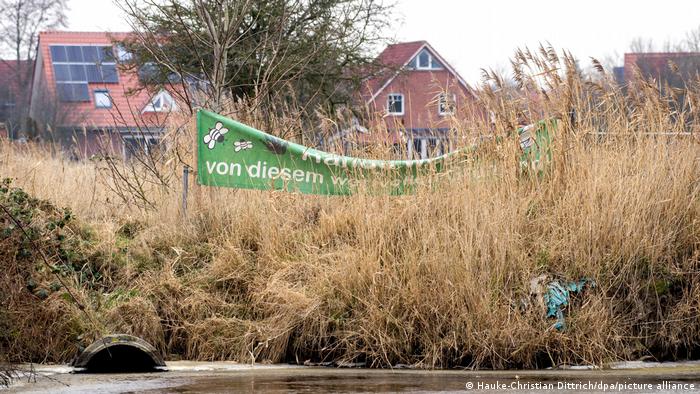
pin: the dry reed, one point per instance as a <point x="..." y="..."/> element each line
<point x="439" y="278"/>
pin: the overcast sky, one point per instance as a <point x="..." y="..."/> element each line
<point x="476" y="34"/>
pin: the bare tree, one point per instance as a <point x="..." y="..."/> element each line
<point x="301" y="50"/>
<point x="220" y="35"/>
<point x="692" y="41"/>
<point x="20" y="23"/>
<point x="642" y="45"/>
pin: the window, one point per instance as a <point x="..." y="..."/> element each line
<point x="416" y="148"/>
<point x="434" y="147"/>
<point x="426" y="61"/>
<point x="7" y="98"/>
<point x="123" y="55"/>
<point x="76" y="66"/>
<point x="426" y="147"/>
<point x="161" y="102"/>
<point x="446" y="104"/>
<point x="102" y="99"/>
<point x="395" y="104"/>
<point x="137" y="144"/>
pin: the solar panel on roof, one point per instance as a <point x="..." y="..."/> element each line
<point x="109" y="73"/>
<point x="90" y="54"/>
<point x="77" y="73"/>
<point x="80" y="92"/>
<point x="64" y="91"/>
<point x="72" y="92"/>
<point x="75" y="54"/>
<point x="58" y="54"/>
<point x="62" y="72"/>
<point x="93" y="73"/>
<point x="77" y="66"/>
<point x="106" y="54"/>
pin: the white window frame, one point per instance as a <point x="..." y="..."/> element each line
<point x="163" y="94"/>
<point x="443" y="96"/>
<point x="105" y="92"/>
<point x="388" y="102"/>
<point x="431" y="61"/>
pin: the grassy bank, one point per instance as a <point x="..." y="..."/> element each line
<point x="440" y="278"/>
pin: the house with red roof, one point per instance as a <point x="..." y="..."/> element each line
<point x="15" y="81"/>
<point x="417" y="93"/>
<point x="84" y="97"/>
<point x="670" y="67"/>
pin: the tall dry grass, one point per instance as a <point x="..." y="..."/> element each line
<point x="439" y="278"/>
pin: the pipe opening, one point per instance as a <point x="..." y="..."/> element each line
<point x="119" y="359"/>
<point x="119" y="354"/>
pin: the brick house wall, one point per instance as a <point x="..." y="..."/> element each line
<point x="656" y="64"/>
<point x="426" y="131"/>
<point x="421" y="90"/>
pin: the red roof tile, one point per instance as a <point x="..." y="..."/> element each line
<point x="390" y="60"/>
<point x="396" y="55"/>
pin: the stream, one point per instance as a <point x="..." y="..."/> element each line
<point x="225" y="377"/>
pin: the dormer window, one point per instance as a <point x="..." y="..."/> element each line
<point x="123" y="55"/>
<point x="161" y="102"/>
<point x="395" y="104"/>
<point x="426" y="61"/>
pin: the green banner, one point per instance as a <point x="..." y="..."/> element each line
<point x="231" y="154"/>
<point x="536" y="146"/>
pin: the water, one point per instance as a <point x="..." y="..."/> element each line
<point x="225" y="377"/>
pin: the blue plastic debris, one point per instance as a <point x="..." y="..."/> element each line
<point x="557" y="297"/>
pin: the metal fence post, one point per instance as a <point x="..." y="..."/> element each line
<point x="185" y="188"/>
